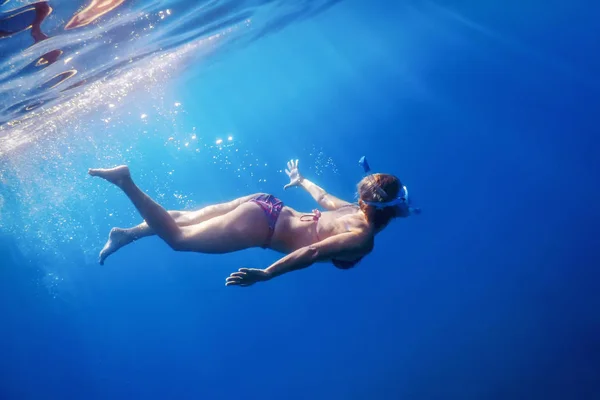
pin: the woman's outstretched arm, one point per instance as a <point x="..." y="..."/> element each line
<point x="325" y="200"/>
<point x="325" y="250"/>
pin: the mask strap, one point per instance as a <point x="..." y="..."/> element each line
<point x="367" y="169"/>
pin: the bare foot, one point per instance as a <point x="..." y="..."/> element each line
<point x="116" y="175"/>
<point x="117" y="238"/>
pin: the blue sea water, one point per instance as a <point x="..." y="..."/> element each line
<point x="487" y="111"/>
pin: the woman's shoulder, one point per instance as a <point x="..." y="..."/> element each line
<point x="350" y="258"/>
<point x="367" y="236"/>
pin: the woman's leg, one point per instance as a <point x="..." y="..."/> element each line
<point x="119" y="237"/>
<point x="241" y="228"/>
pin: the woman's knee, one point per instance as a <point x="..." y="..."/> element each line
<point x="175" y="214"/>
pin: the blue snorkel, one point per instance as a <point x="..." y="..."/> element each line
<point x="401" y="201"/>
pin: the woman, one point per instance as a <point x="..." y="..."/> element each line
<point x="343" y="235"/>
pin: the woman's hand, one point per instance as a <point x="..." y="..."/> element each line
<point x="293" y="173"/>
<point x="247" y="277"/>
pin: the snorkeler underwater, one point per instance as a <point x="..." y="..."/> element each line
<point x="342" y="235"/>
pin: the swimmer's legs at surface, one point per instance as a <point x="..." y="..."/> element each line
<point x="119" y="237"/>
<point x="243" y="227"/>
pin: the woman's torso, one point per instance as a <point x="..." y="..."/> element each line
<point x="295" y="230"/>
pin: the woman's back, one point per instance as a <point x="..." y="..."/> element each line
<point x="296" y="230"/>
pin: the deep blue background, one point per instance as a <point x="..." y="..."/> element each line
<point x="488" y="112"/>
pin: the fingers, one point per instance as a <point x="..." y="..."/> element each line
<point x="241" y="278"/>
<point x="245" y="277"/>
<point x="234" y="276"/>
<point x="292" y="164"/>
<point x="238" y="284"/>
<point x="235" y="284"/>
<point x="246" y="270"/>
<point x="238" y="279"/>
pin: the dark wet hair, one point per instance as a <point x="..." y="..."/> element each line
<point x="379" y="188"/>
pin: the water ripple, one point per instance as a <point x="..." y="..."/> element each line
<point x="60" y="59"/>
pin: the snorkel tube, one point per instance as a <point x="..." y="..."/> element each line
<point x="402" y="200"/>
